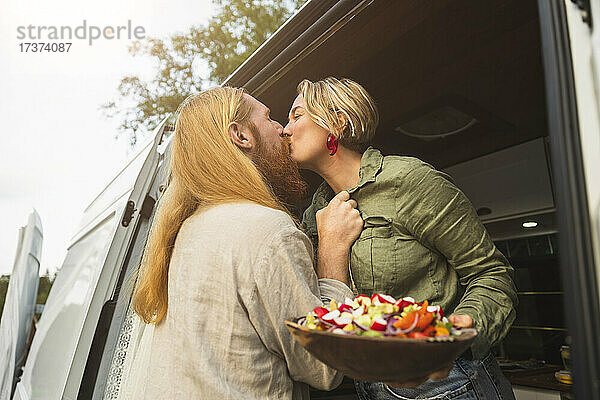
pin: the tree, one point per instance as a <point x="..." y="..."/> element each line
<point x="237" y="29"/>
<point x="4" y="279"/>
<point x="44" y="287"/>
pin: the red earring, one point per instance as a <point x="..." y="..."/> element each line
<point x="332" y="144"/>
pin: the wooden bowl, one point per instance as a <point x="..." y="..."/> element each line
<point x="381" y="359"/>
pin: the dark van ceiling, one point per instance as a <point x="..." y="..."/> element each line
<point x="481" y="58"/>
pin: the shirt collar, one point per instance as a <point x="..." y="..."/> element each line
<point x="370" y="166"/>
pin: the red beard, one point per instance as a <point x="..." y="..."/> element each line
<point x="280" y="171"/>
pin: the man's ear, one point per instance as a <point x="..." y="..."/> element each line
<point x="240" y="136"/>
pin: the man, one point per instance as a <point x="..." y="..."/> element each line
<point x="225" y="264"/>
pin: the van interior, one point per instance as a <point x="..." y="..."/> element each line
<point x="460" y="85"/>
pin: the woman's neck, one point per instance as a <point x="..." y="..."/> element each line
<point x="341" y="171"/>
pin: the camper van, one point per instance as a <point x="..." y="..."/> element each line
<point x="500" y="94"/>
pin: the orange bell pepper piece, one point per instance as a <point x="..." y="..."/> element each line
<point x="425" y="317"/>
<point x="406" y="322"/>
<point x="424" y="320"/>
<point x="441" y="331"/>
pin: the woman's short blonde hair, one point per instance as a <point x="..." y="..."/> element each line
<point x="330" y="98"/>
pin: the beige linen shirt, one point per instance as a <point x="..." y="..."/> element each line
<point x="237" y="272"/>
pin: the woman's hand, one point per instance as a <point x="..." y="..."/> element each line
<point x="338" y="226"/>
<point x="461" y="321"/>
<point x="436" y="376"/>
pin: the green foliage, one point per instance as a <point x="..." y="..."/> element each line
<point x="44" y="287"/>
<point x="237" y="28"/>
<point x="4" y="279"/>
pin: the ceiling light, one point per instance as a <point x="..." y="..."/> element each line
<point x="530" y="224"/>
<point x="438" y="123"/>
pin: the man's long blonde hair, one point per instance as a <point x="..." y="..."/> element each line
<point x="206" y="169"/>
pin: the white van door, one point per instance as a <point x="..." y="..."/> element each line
<point x="87" y="280"/>
<point x="19" y="307"/>
<point x="571" y="64"/>
<point x="117" y="365"/>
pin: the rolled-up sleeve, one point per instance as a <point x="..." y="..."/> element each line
<point x="443" y="219"/>
<point x="332" y="289"/>
<point x="287" y="287"/>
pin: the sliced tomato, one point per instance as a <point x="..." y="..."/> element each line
<point x="429" y="331"/>
<point x="417" y="335"/>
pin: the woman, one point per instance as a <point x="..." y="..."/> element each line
<point x="421" y="238"/>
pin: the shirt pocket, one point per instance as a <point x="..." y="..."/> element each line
<point x="391" y="261"/>
<point x="372" y="261"/>
<point x="414" y="271"/>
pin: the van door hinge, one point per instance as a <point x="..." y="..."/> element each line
<point x="128" y="215"/>
<point x="586" y="11"/>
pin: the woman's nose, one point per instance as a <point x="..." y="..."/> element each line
<point x="287" y="131"/>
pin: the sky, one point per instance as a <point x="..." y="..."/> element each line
<point x="58" y="149"/>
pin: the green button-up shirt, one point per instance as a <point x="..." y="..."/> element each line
<point x="422" y="238"/>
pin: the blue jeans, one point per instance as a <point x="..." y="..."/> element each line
<point x="468" y="380"/>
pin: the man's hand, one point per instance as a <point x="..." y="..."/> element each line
<point x="338" y="225"/>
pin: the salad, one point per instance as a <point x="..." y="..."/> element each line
<point x="380" y="315"/>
